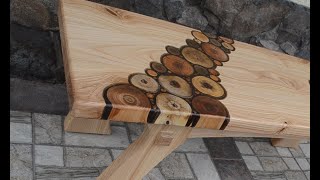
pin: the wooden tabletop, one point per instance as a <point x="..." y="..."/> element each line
<point x="263" y="91"/>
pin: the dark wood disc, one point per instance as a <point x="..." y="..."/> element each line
<point x="225" y="50"/>
<point x="214" y="52"/>
<point x="227" y="40"/>
<point x="158" y="67"/>
<point x="126" y="94"/>
<point x="215" y="42"/>
<point x="196" y="57"/>
<point x="214" y="72"/>
<point x="228" y="46"/>
<point x="192" y="43"/>
<point x="209" y="105"/>
<point x="201" y="70"/>
<point x="144" y="82"/>
<point x="209" y="87"/>
<point x="176" y="85"/>
<point x="215" y="78"/>
<point x="177" y="65"/>
<point x="210" y="36"/>
<point x="217" y="63"/>
<point x="173" y="50"/>
<point x="200" y="36"/>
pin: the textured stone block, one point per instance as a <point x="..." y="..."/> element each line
<point x="305" y="149"/>
<point x="244" y="148"/>
<point x="48" y="155"/>
<point x="273" y="164"/>
<point x="87" y="157"/>
<point x="263" y="149"/>
<point x="20" y="162"/>
<point x="263" y="175"/>
<point x="303" y="163"/>
<point x="176" y="166"/>
<point x="48" y="129"/>
<point x="296" y="152"/>
<point x="65" y="173"/>
<point x="193" y="145"/>
<point x="232" y="169"/>
<point x="222" y="148"/>
<point x="154" y="174"/>
<point x="291" y="163"/>
<point x="203" y="166"/>
<point x="20" y="117"/>
<point x="20" y="133"/>
<point x="118" y="138"/>
<point x="135" y="130"/>
<point x="295" y="175"/>
<point x="116" y="153"/>
<point x="284" y="152"/>
<point x="252" y="163"/>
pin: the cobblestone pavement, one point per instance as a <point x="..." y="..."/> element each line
<point x="40" y="149"/>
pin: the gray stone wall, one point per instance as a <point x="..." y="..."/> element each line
<point x="280" y="25"/>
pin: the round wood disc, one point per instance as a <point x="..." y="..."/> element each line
<point x="158" y="67"/>
<point x="215" y="78"/>
<point x="209" y="87"/>
<point x="169" y="102"/>
<point x="200" y="36"/>
<point x="201" y="70"/>
<point x="176" y="85"/>
<point x="126" y="94"/>
<point x="144" y="82"/>
<point x="151" y="72"/>
<point x="215" y="42"/>
<point x="227" y="40"/>
<point x="228" y="46"/>
<point x="196" y="57"/>
<point x="214" y="72"/>
<point x="210" y="36"/>
<point x="173" y="50"/>
<point x="177" y="65"/>
<point x="218" y="63"/>
<point x="225" y="50"/>
<point x="192" y="43"/>
<point x="209" y="105"/>
<point x="214" y="52"/>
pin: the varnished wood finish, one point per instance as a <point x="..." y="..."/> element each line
<point x="268" y="92"/>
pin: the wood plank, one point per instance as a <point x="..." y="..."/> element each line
<point x="267" y="92"/>
<point x="146" y="152"/>
<point x="282" y="142"/>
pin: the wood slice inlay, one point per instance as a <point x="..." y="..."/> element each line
<point x="173" y="50"/>
<point x="215" y="78"/>
<point x="128" y="95"/>
<point x="227" y="40"/>
<point x="215" y="42"/>
<point x="214" y="72"/>
<point x="200" y="36"/>
<point x="192" y="43"/>
<point x="176" y="85"/>
<point x="217" y="63"/>
<point x="144" y="82"/>
<point x="158" y="67"/>
<point x="208" y="105"/>
<point x="196" y="57"/>
<point x="228" y="46"/>
<point x="177" y="65"/>
<point x="214" y="52"/>
<point x="151" y="72"/>
<point x="209" y="87"/>
<point x="201" y="70"/>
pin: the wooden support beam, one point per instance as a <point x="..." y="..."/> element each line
<point x="282" y="142"/>
<point x="85" y="125"/>
<point x="153" y="145"/>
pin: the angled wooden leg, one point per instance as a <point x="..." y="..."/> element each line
<point x="154" y="144"/>
<point x="283" y="142"/>
<point x="84" y="125"/>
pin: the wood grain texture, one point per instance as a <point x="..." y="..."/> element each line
<point x="268" y="92"/>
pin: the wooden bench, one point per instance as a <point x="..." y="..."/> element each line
<point x="182" y="83"/>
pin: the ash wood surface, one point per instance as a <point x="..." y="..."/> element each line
<point x="267" y="92"/>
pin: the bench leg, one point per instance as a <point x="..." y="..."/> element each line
<point x="84" y="125"/>
<point x="281" y="142"/>
<point x="154" y="144"/>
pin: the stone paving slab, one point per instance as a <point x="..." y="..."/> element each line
<point x="40" y="149"/>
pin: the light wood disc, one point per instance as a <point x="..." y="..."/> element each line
<point x="200" y="36"/>
<point x="201" y="70"/>
<point x="176" y="85"/>
<point x="158" y="67"/>
<point x="144" y="82"/>
<point x="215" y="42"/>
<point x="166" y="101"/>
<point x="215" y="78"/>
<point x="214" y="52"/>
<point x="214" y="72"/>
<point x="196" y="57"/>
<point x="173" y="50"/>
<point x="227" y="40"/>
<point x="228" y="46"/>
<point x="151" y="72"/>
<point x="126" y="94"/>
<point x="192" y="43"/>
<point x="218" y="63"/>
<point x="177" y="65"/>
<point x="209" y="105"/>
<point x="208" y="86"/>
